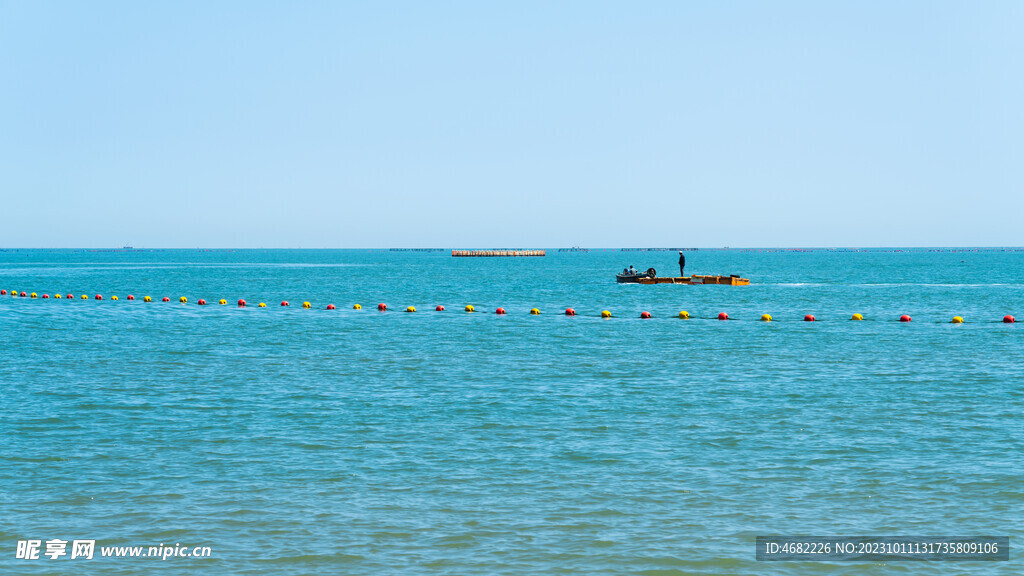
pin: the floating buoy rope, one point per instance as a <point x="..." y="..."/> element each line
<point x="500" y="311"/>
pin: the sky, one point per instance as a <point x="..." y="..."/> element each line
<point x="511" y="124"/>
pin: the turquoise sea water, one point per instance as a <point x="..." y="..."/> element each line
<point x="296" y="441"/>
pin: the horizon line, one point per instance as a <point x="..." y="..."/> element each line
<point x="565" y="248"/>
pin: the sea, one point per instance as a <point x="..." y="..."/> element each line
<point x="293" y="441"/>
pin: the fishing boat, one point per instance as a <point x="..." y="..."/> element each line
<point x="635" y="276"/>
<point x="651" y="277"/>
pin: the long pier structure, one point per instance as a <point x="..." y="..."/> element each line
<point x="458" y="253"/>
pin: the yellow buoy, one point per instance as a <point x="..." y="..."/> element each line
<point x="469" y="308"/>
<point x="766" y="317"/>
<point x="33" y="294"/>
<point x="223" y="301"/>
<point x="183" y="300"/>
<point x="683" y="315"/>
<point x="262" y="305"/>
<point x="958" y="319"/>
<point x="57" y="295"/>
<point x="606" y="314"/>
<point x="410" y="309"/>
<point x="857" y="316"/>
<point x="147" y="299"/>
<point x="113" y="297"/>
<point x="85" y="296"/>
<point x="357" y="307"/>
<point x="534" y="311"/>
<point x="306" y="305"/>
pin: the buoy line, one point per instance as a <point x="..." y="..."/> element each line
<point x="469" y="308"/>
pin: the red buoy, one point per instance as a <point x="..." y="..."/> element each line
<point x="1009" y="319"/>
<point x="241" y="303"/>
<point x="570" y="312"/>
<point x="3" y="292"/>
<point x="330" y="306"/>
<point x="71" y="296"/>
<point x="201" y="302"/>
<point x="130" y="297"/>
<point x="99" y="297"/>
<point x="809" y="318"/>
<point x="723" y="316"/>
<point x="166" y="299"/>
<point x="382" y="307"/>
<point x="645" y="314"/>
<point x="23" y="294"/>
<point x="284" y="303"/>
<point x="499" y="311"/>
<point x="439" y="308"/>
<point x="905" y="318"/>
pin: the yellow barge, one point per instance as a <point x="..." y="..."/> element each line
<point x="696" y="279"/>
<point x="650" y="277"/>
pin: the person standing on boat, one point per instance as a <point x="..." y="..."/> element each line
<point x="682" y="263"/>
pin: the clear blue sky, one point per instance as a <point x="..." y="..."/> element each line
<point x="377" y="124"/>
